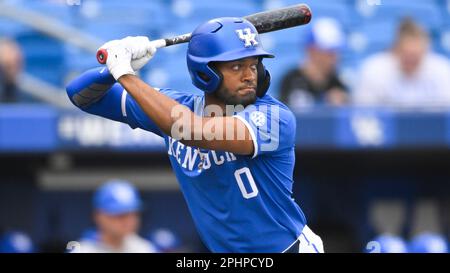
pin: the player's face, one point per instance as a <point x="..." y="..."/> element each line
<point x="118" y="226"/>
<point x="239" y="81"/>
<point x="325" y="60"/>
<point x="410" y="52"/>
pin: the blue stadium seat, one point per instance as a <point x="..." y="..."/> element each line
<point x="442" y="42"/>
<point x="12" y="28"/>
<point x="54" y="9"/>
<point x="338" y="9"/>
<point x="371" y="37"/>
<point x="44" y="56"/>
<point x="77" y="60"/>
<point x="200" y="11"/>
<point x="109" y="31"/>
<point x="116" y="15"/>
<point x="277" y="67"/>
<point x="427" y="12"/>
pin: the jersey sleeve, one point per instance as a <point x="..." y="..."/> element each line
<point x="272" y="127"/>
<point x="96" y="92"/>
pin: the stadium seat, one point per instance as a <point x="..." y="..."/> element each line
<point x="11" y="28"/>
<point x="277" y="67"/>
<point x="54" y="9"/>
<point x="371" y="37"/>
<point x="443" y="42"/>
<point x="44" y="56"/>
<point x="105" y="16"/>
<point x="427" y="13"/>
<point x="339" y="9"/>
<point x="200" y="11"/>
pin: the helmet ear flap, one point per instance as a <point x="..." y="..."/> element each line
<point x="263" y="80"/>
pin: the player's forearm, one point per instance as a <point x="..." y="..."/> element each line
<point x="157" y="106"/>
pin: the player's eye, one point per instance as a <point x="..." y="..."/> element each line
<point x="254" y="67"/>
<point x="236" y="67"/>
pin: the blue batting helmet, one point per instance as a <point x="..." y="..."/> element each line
<point x="220" y="40"/>
<point x="16" y="242"/>
<point x="428" y="243"/>
<point x="117" y="197"/>
<point x="387" y="243"/>
<point x="164" y="240"/>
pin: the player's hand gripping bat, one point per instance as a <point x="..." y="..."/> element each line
<point x="266" y="21"/>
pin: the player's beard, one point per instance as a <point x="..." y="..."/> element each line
<point x="233" y="98"/>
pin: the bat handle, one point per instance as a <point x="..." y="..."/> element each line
<point x="102" y="54"/>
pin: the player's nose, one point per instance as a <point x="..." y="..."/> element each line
<point x="249" y="74"/>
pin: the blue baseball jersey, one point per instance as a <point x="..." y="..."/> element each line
<point x="238" y="203"/>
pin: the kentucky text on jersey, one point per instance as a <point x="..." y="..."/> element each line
<point x="187" y="156"/>
<point x="238" y="203"/>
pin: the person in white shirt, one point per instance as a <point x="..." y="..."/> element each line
<point x="117" y="205"/>
<point x="408" y="75"/>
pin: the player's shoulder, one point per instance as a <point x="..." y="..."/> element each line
<point x="183" y="97"/>
<point x="436" y="61"/>
<point x="135" y="243"/>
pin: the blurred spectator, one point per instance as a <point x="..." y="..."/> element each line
<point x="117" y="205"/>
<point x="16" y="242"/>
<point x="428" y="242"/>
<point x="10" y="67"/>
<point x="316" y="81"/>
<point x="407" y="75"/>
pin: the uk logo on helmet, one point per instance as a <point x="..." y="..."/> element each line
<point x="247" y="36"/>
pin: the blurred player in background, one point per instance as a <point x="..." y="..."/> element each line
<point x="16" y="242"/>
<point x="408" y="75"/>
<point x="316" y="81"/>
<point x="232" y="149"/>
<point x="117" y="205"/>
<point x="428" y="242"/>
<point x="387" y="243"/>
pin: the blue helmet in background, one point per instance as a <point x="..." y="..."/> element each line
<point x="220" y="40"/>
<point x="117" y="197"/>
<point x="428" y="243"/>
<point x="164" y="240"/>
<point x="16" y="242"/>
<point x="387" y="243"/>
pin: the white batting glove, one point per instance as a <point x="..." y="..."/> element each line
<point x="142" y="50"/>
<point x="119" y="59"/>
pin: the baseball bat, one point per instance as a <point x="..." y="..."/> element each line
<point x="266" y="21"/>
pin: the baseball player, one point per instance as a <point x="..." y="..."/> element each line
<point x="116" y="204"/>
<point x="232" y="149"/>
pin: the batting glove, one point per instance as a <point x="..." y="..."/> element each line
<point x="119" y="59"/>
<point x="142" y="51"/>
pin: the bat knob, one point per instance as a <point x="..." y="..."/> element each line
<point x="102" y="55"/>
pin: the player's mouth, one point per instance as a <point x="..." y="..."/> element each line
<point x="247" y="90"/>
